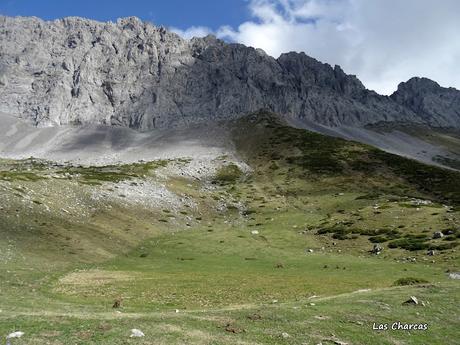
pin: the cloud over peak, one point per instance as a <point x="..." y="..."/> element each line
<point x="383" y="42"/>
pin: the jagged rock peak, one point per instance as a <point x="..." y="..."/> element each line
<point x="438" y="106"/>
<point x="132" y="73"/>
<point x="419" y="84"/>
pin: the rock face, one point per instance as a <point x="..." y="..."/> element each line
<point x="131" y="73"/>
<point x="436" y="105"/>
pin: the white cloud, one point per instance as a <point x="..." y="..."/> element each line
<point x="193" y="31"/>
<point x="383" y="42"/>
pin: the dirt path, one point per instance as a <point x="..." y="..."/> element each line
<point x="111" y="315"/>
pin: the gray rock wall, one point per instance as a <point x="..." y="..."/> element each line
<point x="134" y="74"/>
<point x="436" y="105"/>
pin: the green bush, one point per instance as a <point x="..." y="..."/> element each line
<point x="378" y="239"/>
<point x="228" y="174"/>
<point x="409" y="281"/>
<point x="411" y="244"/>
<point x="443" y="246"/>
<point x="339" y="236"/>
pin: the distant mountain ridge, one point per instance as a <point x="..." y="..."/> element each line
<point x="134" y="74"/>
<point x="430" y="101"/>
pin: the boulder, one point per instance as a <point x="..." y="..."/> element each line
<point x="376" y="249"/>
<point x="438" y="234"/>
<point x="136" y="333"/>
<point x="412" y="300"/>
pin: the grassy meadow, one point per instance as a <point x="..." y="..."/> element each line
<point x="280" y="254"/>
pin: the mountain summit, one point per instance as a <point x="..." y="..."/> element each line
<point x="134" y="74"/>
<point x="438" y="106"/>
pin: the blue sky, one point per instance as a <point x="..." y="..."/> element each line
<point x="176" y="13"/>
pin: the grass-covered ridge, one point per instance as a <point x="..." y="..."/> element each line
<point x="33" y="169"/>
<point x="308" y="154"/>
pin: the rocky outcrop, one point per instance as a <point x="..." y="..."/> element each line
<point x="134" y="74"/>
<point x="436" y="105"/>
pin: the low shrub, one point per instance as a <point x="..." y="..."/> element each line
<point x="409" y="281"/>
<point x="408" y="243"/>
<point x="228" y="174"/>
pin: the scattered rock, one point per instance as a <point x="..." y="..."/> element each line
<point x="438" y="234"/>
<point x="17" y="334"/>
<point x="454" y="275"/>
<point x="412" y="300"/>
<point x="136" y="333"/>
<point x="377" y="249"/>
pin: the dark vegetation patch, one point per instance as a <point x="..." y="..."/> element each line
<point x="34" y="170"/>
<point x="340" y="232"/>
<point x="441" y="183"/>
<point x="22" y="170"/>
<point x="451" y="231"/>
<point x="111" y="173"/>
<point x="443" y="246"/>
<point x="14" y="175"/>
<point x="304" y="154"/>
<point x="229" y="173"/>
<point x="415" y="242"/>
<point x="408" y="243"/>
<point x="394" y="237"/>
<point x="318" y="154"/>
<point x="409" y="281"/>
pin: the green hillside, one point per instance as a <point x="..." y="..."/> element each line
<point x="277" y="253"/>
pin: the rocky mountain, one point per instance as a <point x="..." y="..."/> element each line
<point x="436" y="105"/>
<point x="134" y="74"/>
